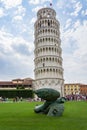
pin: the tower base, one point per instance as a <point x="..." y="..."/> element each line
<point x="57" y="84"/>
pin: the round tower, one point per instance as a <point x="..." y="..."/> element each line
<point x="48" y="53"/>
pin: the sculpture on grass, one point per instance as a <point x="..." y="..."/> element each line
<point x="53" y="105"/>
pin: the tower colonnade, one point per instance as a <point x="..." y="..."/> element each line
<point x="48" y="53"/>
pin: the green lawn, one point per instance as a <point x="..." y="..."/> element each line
<point x="20" y="116"/>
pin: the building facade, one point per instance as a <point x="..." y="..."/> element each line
<point x="70" y="89"/>
<point x="83" y="89"/>
<point x="17" y="84"/>
<point x="48" y="53"/>
<point x="27" y="83"/>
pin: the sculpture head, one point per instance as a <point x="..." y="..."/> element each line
<point x="47" y="94"/>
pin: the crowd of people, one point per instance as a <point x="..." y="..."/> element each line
<point x="15" y="99"/>
<point x="76" y="97"/>
<point x="18" y="99"/>
<point x="68" y="98"/>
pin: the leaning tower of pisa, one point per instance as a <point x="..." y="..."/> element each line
<point x="48" y="53"/>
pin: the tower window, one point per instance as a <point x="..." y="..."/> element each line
<point x="48" y="23"/>
<point x="40" y="16"/>
<point x="43" y="64"/>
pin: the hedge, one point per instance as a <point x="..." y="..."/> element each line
<point x="14" y="93"/>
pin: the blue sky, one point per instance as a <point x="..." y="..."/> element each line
<point x="17" y="19"/>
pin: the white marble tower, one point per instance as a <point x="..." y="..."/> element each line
<point x="48" y="53"/>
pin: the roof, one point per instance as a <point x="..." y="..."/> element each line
<point x="17" y="80"/>
<point x="80" y="84"/>
<point x="26" y="81"/>
<point x="6" y="83"/>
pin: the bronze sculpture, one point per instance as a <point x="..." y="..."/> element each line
<point x="53" y="105"/>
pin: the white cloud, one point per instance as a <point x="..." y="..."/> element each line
<point x="60" y="4"/>
<point x="84" y="12"/>
<point x="36" y="9"/>
<point x="20" y="11"/>
<point x="75" y="59"/>
<point x="11" y="3"/>
<point x="7" y="41"/>
<point x="12" y="58"/>
<point x="77" y="7"/>
<point x="64" y="4"/>
<point x="21" y="41"/>
<point x="77" y="24"/>
<point x="35" y="2"/>
<point x="68" y="23"/>
<point x="17" y="18"/>
<point x="80" y="34"/>
<point x="73" y="1"/>
<point x="1" y="12"/>
<point x="18" y="15"/>
<point x="33" y="20"/>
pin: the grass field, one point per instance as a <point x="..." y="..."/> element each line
<point x="20" y="116"/>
